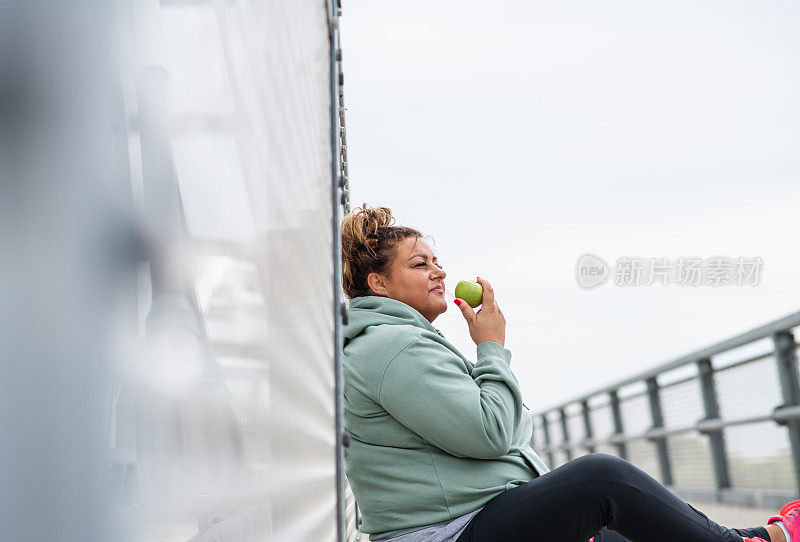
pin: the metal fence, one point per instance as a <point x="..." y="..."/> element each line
<point x="721" y="424"/>
<point x="170" y="203"/>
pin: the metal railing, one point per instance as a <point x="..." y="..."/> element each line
<point x="348" y="518"/>
<point x="720" y="424"/>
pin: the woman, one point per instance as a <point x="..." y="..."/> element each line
<point x="439" y="447"/>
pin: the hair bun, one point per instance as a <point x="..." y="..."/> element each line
<point x="364" y="226"/>
<point x="368" y="241"/>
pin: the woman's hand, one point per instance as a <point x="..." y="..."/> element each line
<point x="488" y="324"/>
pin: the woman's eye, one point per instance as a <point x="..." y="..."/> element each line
<point x="422" y="263"/>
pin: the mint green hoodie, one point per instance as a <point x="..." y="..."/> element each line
<point x="432" y="436"/>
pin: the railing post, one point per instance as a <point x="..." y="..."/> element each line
<point x="622" y="447"/>
<point x="658" y="422"/>
<point x="547" y="441"/>
<point x="719" y="455"/>
<point x="587" y="424"/>
<point x="565" y="432"/>
<point x="786" y="359"/>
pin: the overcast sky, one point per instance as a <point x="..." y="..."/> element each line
<point x="520" y="135"/>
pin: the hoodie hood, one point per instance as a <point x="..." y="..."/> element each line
<point x="373" y="310"/>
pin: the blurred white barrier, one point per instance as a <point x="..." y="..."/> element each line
<point x="171" y="284"/>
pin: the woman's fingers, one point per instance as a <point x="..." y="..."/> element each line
<point x="466" y="310"/>
<point x="488" y="292"/>
<point x="488" y="324"/>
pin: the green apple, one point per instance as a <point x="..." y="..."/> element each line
<point x="471" y="292"/>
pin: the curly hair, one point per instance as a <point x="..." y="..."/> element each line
<point x="368" y="245"/>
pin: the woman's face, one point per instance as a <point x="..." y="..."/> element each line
<point x="415" y="278"/>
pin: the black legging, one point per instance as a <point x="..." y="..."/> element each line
<point x="596" y="495"/>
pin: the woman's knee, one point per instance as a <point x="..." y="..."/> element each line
<point x="604" y="464"/>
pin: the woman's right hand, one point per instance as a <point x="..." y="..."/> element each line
<point x="488" y="324"/>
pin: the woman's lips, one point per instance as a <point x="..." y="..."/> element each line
<point x="438" y="289"/>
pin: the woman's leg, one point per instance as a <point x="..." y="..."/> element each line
<point x="609" y="536"/>
<point x="575" y="501"/>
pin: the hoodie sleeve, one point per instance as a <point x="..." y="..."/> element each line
<point x="427" y="388"/>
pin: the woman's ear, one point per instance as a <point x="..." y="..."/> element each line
<point x="377" y="283"/>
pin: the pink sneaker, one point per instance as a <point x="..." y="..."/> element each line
<point x="788" y="515"/>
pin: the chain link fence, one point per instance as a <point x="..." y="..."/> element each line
<point x="170" y="203"/>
